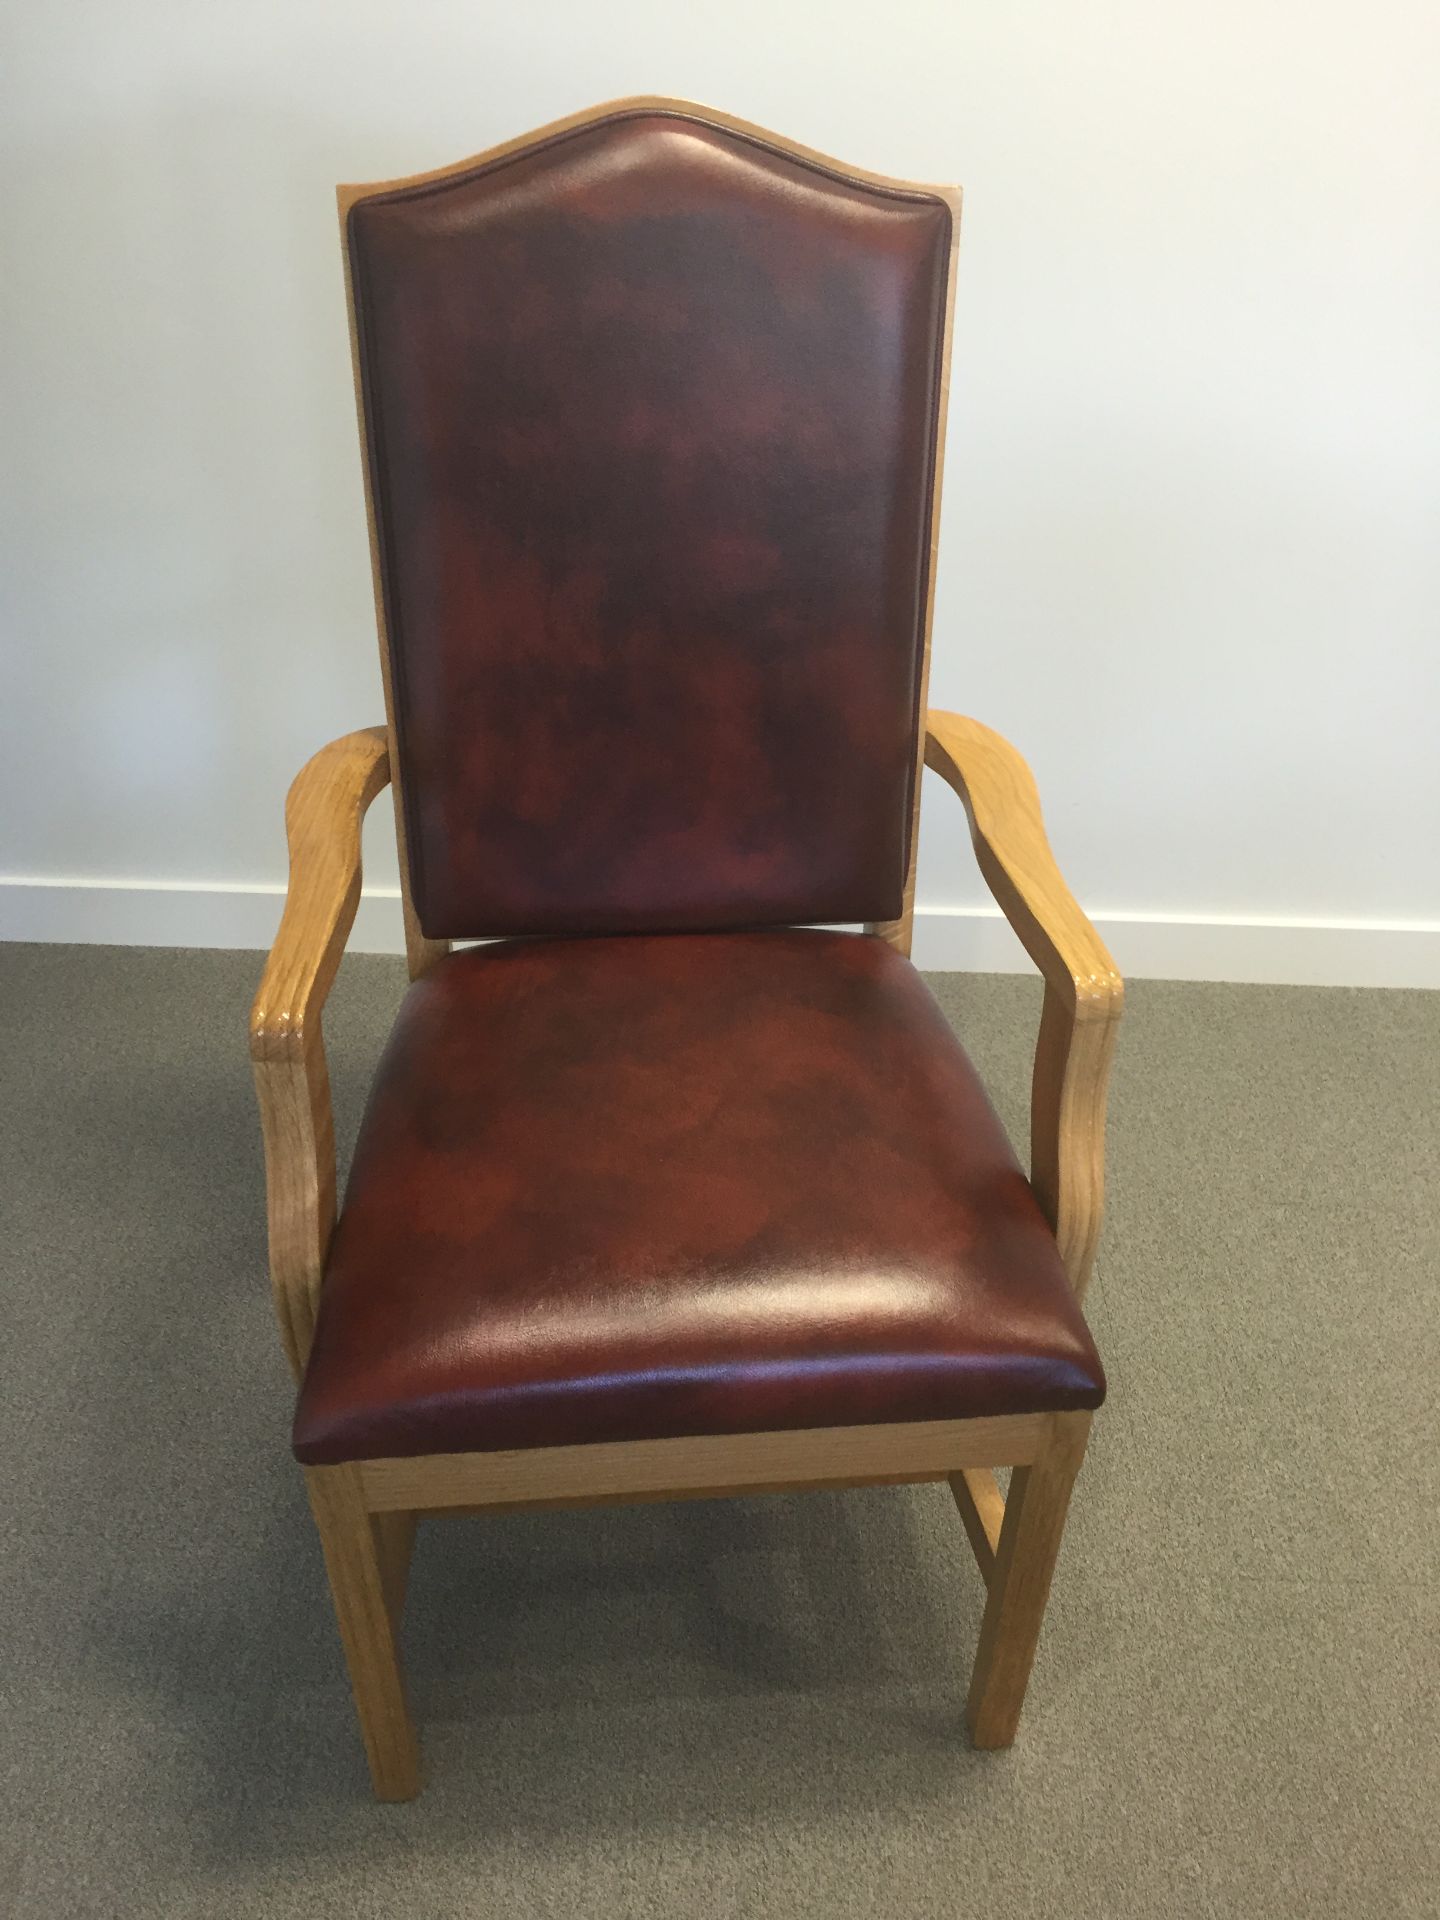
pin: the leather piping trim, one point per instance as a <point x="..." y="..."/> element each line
<point x="374" y="438"/>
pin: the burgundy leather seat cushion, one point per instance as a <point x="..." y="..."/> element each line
<point x="621" y="1188"/>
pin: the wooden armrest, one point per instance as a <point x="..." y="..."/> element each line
<point x="323" y="815"/>
<point x="1084" y="993"/>
<point x="999" y="795"/>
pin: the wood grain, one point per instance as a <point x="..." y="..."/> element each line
<point x="394" y="1546"/>
<point x="1068" y="1096"/>
<point x="366" y="1511"/>
<point x="982" y="1509"/>
<point x="323" y="813"/>
<point x="625" y="1469"/>
<point x="1020" y="1581"/>
<point x="658" y="1496"/>
<point x="1084" y="994"/>
<point x="670" y="105"/>
<point x="369" y="1628"/>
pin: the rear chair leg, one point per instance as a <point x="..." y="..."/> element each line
<point x="1020" y="1581"/>
<point x="366" y="1556"/>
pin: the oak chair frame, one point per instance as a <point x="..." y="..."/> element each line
<point x="366" y="1511"/>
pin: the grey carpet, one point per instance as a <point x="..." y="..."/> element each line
<point x="747" y="1708"/>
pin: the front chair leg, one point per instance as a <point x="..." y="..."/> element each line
<point x="366" y="1564"/>
<point x="1020" y="1581"/>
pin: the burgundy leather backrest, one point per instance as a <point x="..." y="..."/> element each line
<point x="651" y="412"/>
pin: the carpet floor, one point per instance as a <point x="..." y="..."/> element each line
<point x="749" y="1707"/>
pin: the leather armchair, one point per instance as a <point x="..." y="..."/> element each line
<point x="663" y="1192"/>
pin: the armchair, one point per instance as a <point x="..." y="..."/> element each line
<point x="686" y="1197"/>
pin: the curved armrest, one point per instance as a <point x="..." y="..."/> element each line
<point x="999" y="795"/>
<point x="1084" y="993"/>
<point x="323" y="814"/>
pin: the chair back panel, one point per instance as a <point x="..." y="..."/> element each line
<point x="651" y="416"/>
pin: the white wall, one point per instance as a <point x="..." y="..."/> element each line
<point x="1190" y="558"/>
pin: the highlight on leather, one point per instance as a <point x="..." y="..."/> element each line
<point x="617" y="1189"/>
<point x="652" y="413"/>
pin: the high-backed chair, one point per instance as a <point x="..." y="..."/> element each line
<point x="664" y="1191"/>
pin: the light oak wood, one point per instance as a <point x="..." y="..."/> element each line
<point x="323" y="813"/>
<point x="1084" y="994"/>
<point x="367" y="1511"/>
<point x="622" y="1469"/>
<point x="659" y="1496"/>
<point x="369" y="1620"/>
<point x="982" y="1508"/>
<point x="394" y="1545"/>
<point x="1020" y="1581"/>
<point x="671" y="106"/>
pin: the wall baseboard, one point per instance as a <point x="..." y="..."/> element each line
<point x="1171" y="946"/>
<point x="175" y="913"/>
<point x="1155" y="946"/>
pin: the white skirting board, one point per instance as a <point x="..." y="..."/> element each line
<point x="1173" y="946"/>
<point x="1155" y="946"/>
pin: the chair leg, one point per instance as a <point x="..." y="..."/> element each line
<point x="1020" y="1582"/>
<point x="366" y="1564"/>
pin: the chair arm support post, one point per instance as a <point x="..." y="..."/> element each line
<point x="323" y="816"/>
<point x="1084" y="993"/>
